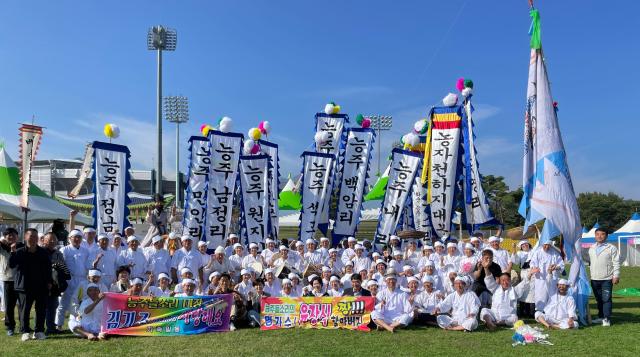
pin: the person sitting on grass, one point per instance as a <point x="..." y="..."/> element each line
<point x="463" y="305"/>
<point x="89" y="315"/>
<point x="504" y="301"/>
<point x="393" y="310"/>
<point x="560" y="310"/>
<point x="425" y="303"/>
<point x="239" y="315"/>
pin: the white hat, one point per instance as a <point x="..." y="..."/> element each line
<point x="267" y="271"/>
<point x="173" y="235"/>
<point x="324" y="239"/>
<point x="396" y="252"/>
<point x="372" y="282"/>
<point x="493" y="239"/>
<point x="428" y="279"/>
<point x="394" y="237"/>
<point x="523" y="242"/>
<point x="89" y="230"/>
<point x="128" y="227"/>
<point x="380" y="261"/>
<point x="252" y="245"/>
<point x="375" y="254"/>
<point x="310" y="241"/>
<point x="311" y="277"/>
<point x="232" y="235"/>
<point x="185" y="270"/>
<point x="351" y="239"/>
<point x="286" y="281"/>
<point x="214" y="274"/>
<point x="427" y="247"/>
<point x="428" y="263"/>
<point x="244" y="271"/>
<point x="407" y="268"/>
<point x="155" y="239"/>
<point x="269" y="240"/>
<point x="475" y="239"/>
<point x="163" y="275"/>
<point x="202" y="243"/>
<point x="95" y="272"/>
<point x="132" y="239"/>
<point x="136" y="281"/>
<point x="348" y="263"/>
<point x="469" y="246"/>
<point x="236" y="245"/>
<point x="325" y="268"/>
<point x="283" y="247"/>
<point x="219" y="250"/>
<point x="188" y="281"/>
<point x="412" y="278"/>
<point x="186" y="237"/>
<point x="563" y="282"/>
<point x="292" y="276"/>
<point x="299" y="244"/>
<point x="358" y="246"/>
<point x="332" y="250"/>
<point x="451" y="245"/>
<point x="93" y="285"/>
<point x="103" y="236"/>
<point x="438" y="244"/>
<point x="460" y="278"/>
<point x="74" y="233"/>
<point x="334" y="278"/>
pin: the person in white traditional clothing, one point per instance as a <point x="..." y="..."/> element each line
<point x="218" y="262"/>
<point x="162" y="289"/>
<point x="158" y="258"/>
<point x="136" y="288"/>
<point x="269" y="251"/>
<point x="187" y="257"/>
<point x="236" y="259"/>
<point x="286" y="259"/>
<point x="411" y="255"/>
<point x="252" y="257"/>
<point x="202" y="249"/>
<point x="188" y="288"/>
<point x="393" y="309"/>
<point x="231" y="248"/>
<point x="395" y="243"/>
<point x="295" y="283"/>
<point x="373" y="288"/>
<point x="299" y="251"/>
<point x="158" y="220"/>
<point x="312" y="257"/>
<point x="560" y="310"/>
<point x="185" y="273"/>
<point x="521" y="258"/>
<point x="93" y="277"/>
<point x="245" y="287"/>
<point x="214" y="279"/>
<point x="439" y="253"/>
<point x="397" y="263"/>
<point x="122" y="284"/>
<point x="463" y="305"/>
<point x="89" y="241"/>
<point x="504" y="300"/>
<point x="272" y="284"/>
<point x="467" y="263"/>
<point x="324" y="248"/>
<point x="134" y="258"/>
<point x="346" y="277"/>
<point x="333" y="262"/>
<point x="413" y="288"/>
<point x="477" y="245"/>
<point x="325" y="274"/>
<point x="427" y="251"/>
<point x="500" y="256"/>
<point x="105" y="260"/>
<point x="287" y="289"/>
<point x="544" y="262"/>
<point x="425" y="303"/>
<point x="88" y="322"/>
<point x="360" y="261"/>
<point x="349" y="252"/>
<point x="381" y="270"/>
<point x="334" y="287"/>
<point x="78" y="261"/>
<point x="452" y="257"/>
<point x="403" y="278"/>
<point x="430" y="270"/>
<point x="117" y="244"/>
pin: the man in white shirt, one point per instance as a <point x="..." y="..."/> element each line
<point x="393" y="310"/>
<point x="425" y="303"/>
<point x="360" y="261"/>
<point x="158" y="258"/>
<point x="89" y="241"/>
<point x="463" y="305"/>
<point x="134" y="258"/>
<point x="105" y="260"/>
<point x="272" y="284"/>
<point x="349" y="252"/>
<point x="504" y="301"/>
<point x="269" y="251"/>
<point x="312" y="257"/>
<point x="220" y="263"/>
<point x="252" y="257"/>
<point x="187" y="257"/>
<point x="77" y="259"/>
<point x="334" y="263"/>
<point x="500" y="256"/>
<point x="560" y="311"/>
<point x="235" y="260"/>
<point x="230" y="249"/>
<point x="544" y="262"/>
<point x="90" y="315"/>
<point x="605" y="271"/>
<point x="324" y="248"/>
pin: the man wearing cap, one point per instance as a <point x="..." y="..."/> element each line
<point x="161" y="289"/>
<point x="268" y="253"/>
<point x="545" y="263"/>
<point x="500" y="256"/>
<point x="231" y="248"/>
<point x="349" y="252"/>
<point x="252" y="257"/>
<point x="245" y="287"/>
<point x="324" y="248"/>
<point x="272" y="284"/>
<point x="605" y="272"/>
<point x="504" y="301"/>
<point x="312" y="257"/>
<point x="220" y="263"/>
<point x="560" y="310"/>
<point x="235" y="260"/>
<point x="393" y="310"/>
<point x="286" y="259"/>
<point x="463" y="305"/>
<point x="78" y="261"/>
<point x="356" y="288"/>
<point x="134" y="258"/>
<point x="89" y="241"/>
<point x="186" y="257"/>
<point x="360" y="261"/>
<point x="333" y="262"/>
<point x="104" y="260"/>
<point x="88" y="322"/>
<point x="425" y="303"/>
<point x="7" y="275"/>
<point x="158" y="258"/>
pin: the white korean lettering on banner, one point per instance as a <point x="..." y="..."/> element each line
<point x="355" y="165"/>
<point x="316" y="184"/>
<point x="223" y="173"/>
<point x="254" y="184"/>
<point x="404" y="166"/>
<point x="111" y="187"/>
<point x="271" y="149"/>
<point x="445" y="143"/>
<point x="195" y="199"/>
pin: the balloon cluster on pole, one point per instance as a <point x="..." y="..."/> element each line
<point x="251" y="146"/>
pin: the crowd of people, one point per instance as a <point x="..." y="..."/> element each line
<point x="449" y="283"/>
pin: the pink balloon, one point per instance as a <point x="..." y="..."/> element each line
<point x="366" y="122"/>
<point x="460" y="84"/>
<point x="261" y="127"/>
<point x="255" y="149"/>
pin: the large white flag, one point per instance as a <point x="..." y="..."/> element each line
<point x="271" y="149"/>
<point x="195" y="198"/>
<point x="111" y="187"/>
<point x="317" y="173"/>
<point x="223" y="173"/>
<point x="254" y="191"/>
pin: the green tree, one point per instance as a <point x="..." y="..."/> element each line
<point x="502" y="201"/>
<point x="609" y="210"/>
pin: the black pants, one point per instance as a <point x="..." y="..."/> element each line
<point x="25" y="302"/>
<point x="10" y="297"/>
<point x="423" y="319"/>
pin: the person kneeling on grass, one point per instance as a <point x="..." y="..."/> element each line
<point x="504" y="301"/>
<point x="87" y="324"/>
<point x="560" y="310"/>
<point x="463" y="305"/>
<point x="393" y="310"/>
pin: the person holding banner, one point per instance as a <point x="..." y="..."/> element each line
<point x="90" y="315"/>
<point x="393" y="310"/>
<point x="239" y="308"/>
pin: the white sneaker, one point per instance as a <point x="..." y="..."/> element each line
<point x="39" y="336"/>
<point x="606" y="322"/>
<point x="597" y="321"/>
<point x="232" y="327"/>
<point x="25" y="337"/>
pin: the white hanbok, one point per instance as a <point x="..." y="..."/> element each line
<point x="504" y="303"/>
<point x="393" y="306"/>
<point x="464" y="310"/>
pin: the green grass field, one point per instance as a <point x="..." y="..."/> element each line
<point x="621" y="339"/>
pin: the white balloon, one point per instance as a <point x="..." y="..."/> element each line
<point x="226" y="124"/>
<point x="321" y="137"/>
<point x="328" y="109"/>
<point x="450" y="100"/>
<point x="267" y="126"/>
<point x="411" y="139"/>
<point x="115" y="130"/>
<point x="419" y="125"/>
<point x="248" y="145"/>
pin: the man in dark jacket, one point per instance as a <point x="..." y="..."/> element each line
<point x="32" y="282"/>
<point x="7" y="275"/>
<point x="59" y="276"/>
<point x="356" y="288"/>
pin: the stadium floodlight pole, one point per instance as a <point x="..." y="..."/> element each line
<point x="379" y="123"/>
<point x="160" y="39"/>
<point x="176" y="110"/>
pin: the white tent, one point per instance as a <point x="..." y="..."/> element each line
<point x="628" y="240"/>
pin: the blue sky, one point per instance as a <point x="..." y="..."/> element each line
<point x="77" y="65"/>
